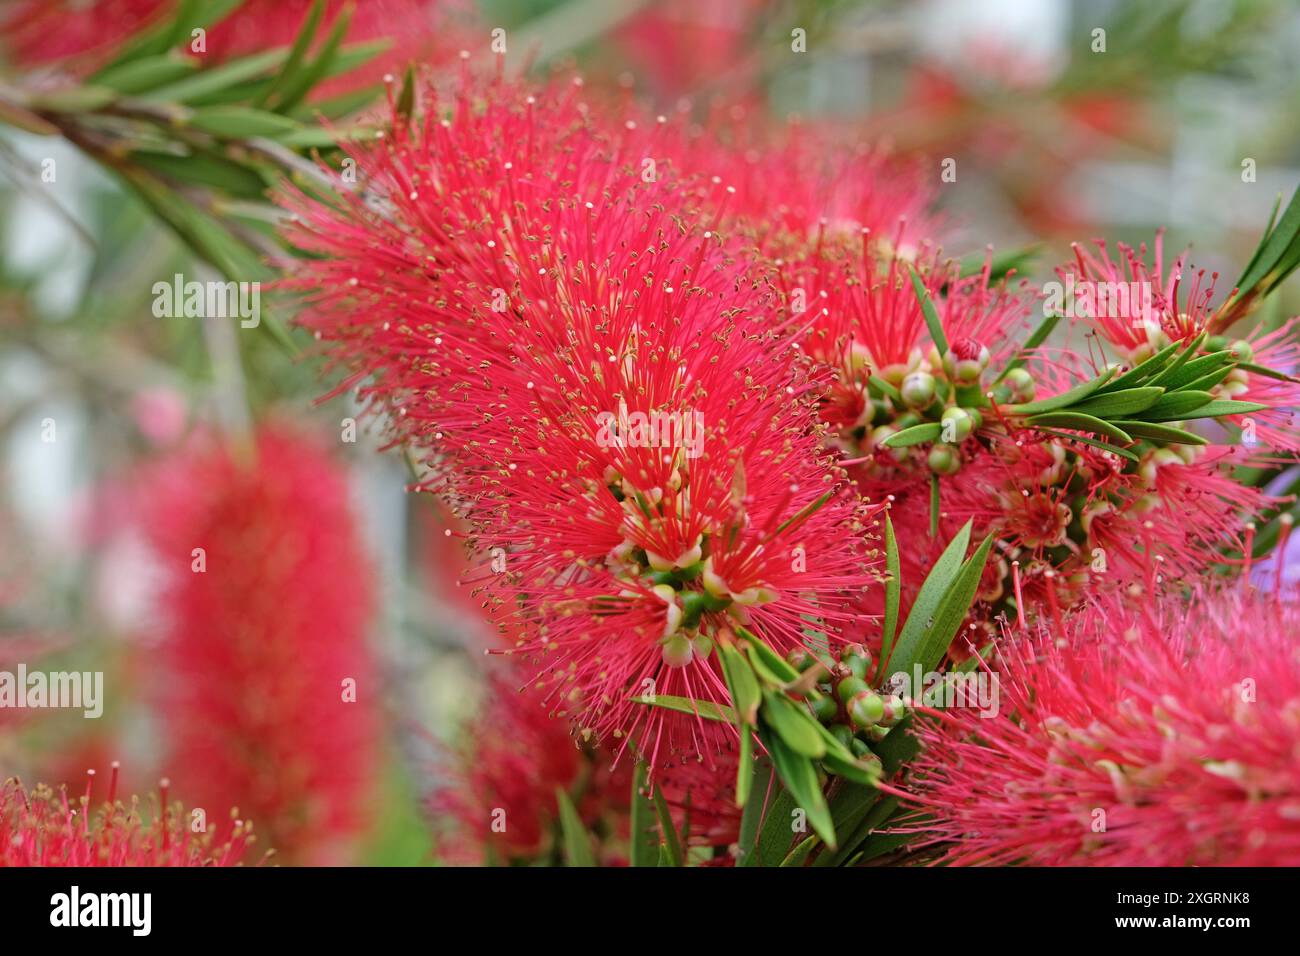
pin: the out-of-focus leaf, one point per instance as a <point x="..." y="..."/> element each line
<point x="686" y="705"/>
<point x="577" y="841"/>
<point x="644" y="839"/>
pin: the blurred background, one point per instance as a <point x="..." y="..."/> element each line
<point x="1066" y="121"/>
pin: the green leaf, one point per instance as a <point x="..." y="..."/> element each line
<point x="934" y="506"/>
<point x="676" y="855"/>
<point x="800" y="778"/>
<point x="1139" y="373"/>
<point x="140" y="76"/>
<point x="644" y="838"/>
<point x="794" y="725"/>
<point x="171" y="32"/>
<point x="1002" y="264"/>
<point x="884" y="388"/>
<point x="1177" y="404"/>
<point x="219" y="79"/>
<point x="777" y="665"/>
<point x="1104" y="446"/>
<point x="1065" y="399"/>
<point x="686" y="705"/>
<point x="241" y="122"/>
<point x="1175" y="378"/>
<point x="942" y="576"/>
<point x="931" y="316"/>
<point x="296" y="88"/>
<point x="1223" y="407"/>
<point x="926" y="431"/>
<point x="205" y="169"/>
<point x="776" y="833"/>
<point x="848" y="766"/>
<point x="577" y="841"/>
<point x="292" y="71"/>
<point x="745" y="765"/>
<point x="953" y="608"/>
<point x="1153" y="431"/>
<point x="741" y="683"/>
<point x="1124" y="403"/>
<point x="1268" y="372"/>
<point x="799" y="854"/>
<point x="1274" y="257"/>
<point x="1081" y="422"/>
<point x="405" y="106"/>
<point x="893" y="590"/>
<point x="752" y="817"/>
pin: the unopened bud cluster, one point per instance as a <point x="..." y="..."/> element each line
<point x="857" y="714"/>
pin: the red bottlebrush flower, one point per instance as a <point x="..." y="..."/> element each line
<point x="499" y="804"/>
<point x="629" y="443"/>
<point x="1140" y="308"/>
<point x="1155" y="735"/>
<point x="43" y="828"/>
<point x="270" y="697"/>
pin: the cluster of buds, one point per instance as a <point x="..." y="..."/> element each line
<point x="846" y="703"/>
<point x="942" y="390"/>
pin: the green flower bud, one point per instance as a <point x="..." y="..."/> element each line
<point x="944" y="460"/>
<point x="857" y="665"/>
<point x="965" y="361"/>
<point x="955" y="425"/>
<point x="866" y="708"/>
<point x="678" y="651"/>
<point x="825" y="709"/>
<point x="850" y="687"/>
<point x="918" y="389"/>
<point x="859" y="748"/>
<point x="1021" y="384"/>
<point x="1241" y="351"/>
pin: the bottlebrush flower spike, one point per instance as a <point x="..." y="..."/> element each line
<point x="270" y="695"/>
<point x="1140" y="307"/>
<point x="43" y="828"/>
<point x="1153" y="735"/>
<point x="498" y="804"/>
<point x="591" y="371"/>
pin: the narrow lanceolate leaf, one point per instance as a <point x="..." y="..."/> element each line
<point x="676" y="855"/>
<point x="745" y="765"/>
<point x="776" y="833"/>
<point x="1276" y="256"/>
<point x="295" y="89"/>
<point x="140" y="76"/>
<point x="218" y="79"/>
<point x="1125" y="403"/>
<point x="1081" y="422"/>
<point x="1176" y="404"/>
<point x="741" y="683"/>
<point x="794" y="725"/>
<point x="577" y="841"/>
<point x="1154" y="431"/>
<point x="241" y="122"/>
<point x="799" y="854"/>
<point x="800" y="778"/>
<point x="893" y="590"/>
<point x="884" y="389"/>
<point x="1268" y="372"/>
<point x="942" y="575"/>
<point x="1065" y="399"/>
<point x="686" y="705"/>
<point x="1094" y="443"/>
<point x="926" y="431"/>
<point x="931" y="316"/>
<point x="1190" y="371"/>
<point x="752" y="817"/>
<point x="953" y="608"/>
<point x="934" y="506"/>
<point x="848" y="767"/>
<point x="773" y="661"/>
<point x="1222" y="407"/>
<point x="297" y="53"/>
<point x="645" y="837"/>
<point x="1036" y="338"/>
<point x="1141" y="373"/>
